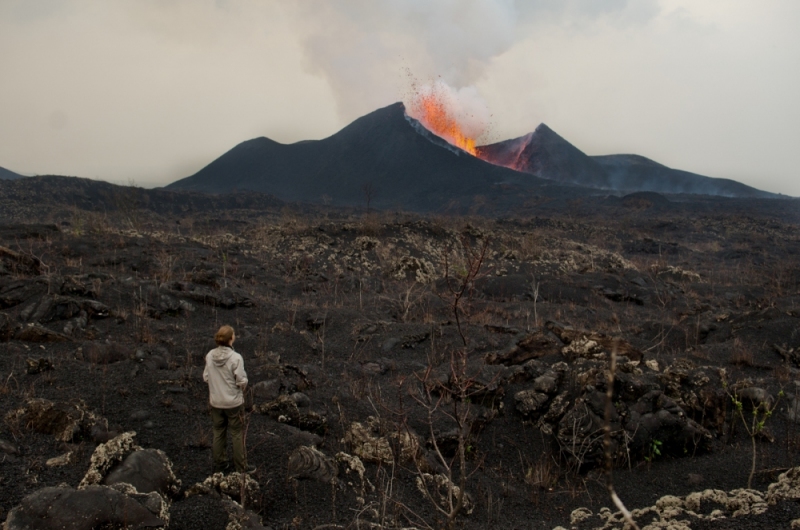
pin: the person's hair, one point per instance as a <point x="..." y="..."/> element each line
<point x="224" y="336"/>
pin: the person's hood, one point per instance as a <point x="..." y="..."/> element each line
<point x="220" y="355"/>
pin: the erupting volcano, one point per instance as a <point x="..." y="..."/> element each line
<point x="406" y="166"/>
<point x="393" y="152"/>
<point x="449" y="114"/>
<point x="435" y="114"/>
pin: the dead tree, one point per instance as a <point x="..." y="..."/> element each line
<point x="369" y="192"/>
<point x="610" y="376"/>
<point x="452" y="399"/>
<point x="461" y="281"/>
<point x="447" y="492"/>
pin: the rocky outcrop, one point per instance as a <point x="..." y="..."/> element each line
<point x="65" y="421"/>
<point x="367" y="442"/>
<point x="311" y="463"/>
<point x="140" y="473"/>
<point x="286" y="409"/>
<point x="93" y="507"/>
<point x="679" y="513"/>
<point x="239" y="487"/>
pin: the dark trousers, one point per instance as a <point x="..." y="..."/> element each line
<point x="224" y="421"/>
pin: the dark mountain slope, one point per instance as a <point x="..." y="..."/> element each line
<point x="30" y="196"/>
<point x="5" y="174"/>
<point x="404" y="164"/>
<point x="546" y="154"/>
<point x="634" y="172"/>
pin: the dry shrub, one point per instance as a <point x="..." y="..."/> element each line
<point x="783" y="374"/>
<point x="530" y="246"/>
<point x="8" y="384"/>
<point x="741" y="356"/>
<point x="75" y="263"/>
<point x="293" y="221"/>
<point x="200" y="438"/>
<point x="370" y="224"/>
<point x="543" y="473"/>
<point x="164" y="263"/>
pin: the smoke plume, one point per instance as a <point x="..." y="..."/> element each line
<point x="364" y="48"/>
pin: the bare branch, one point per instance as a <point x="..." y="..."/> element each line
<point x="607" y="441"/>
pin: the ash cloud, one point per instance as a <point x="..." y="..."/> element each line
<point x="364" y="48"/>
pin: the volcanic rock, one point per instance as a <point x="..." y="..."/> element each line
<point x="110" y="352"/>
<point x="93" y="507"/>
<point x="441" y="488"/>
<point x="49" y="308"/>
<point x="586" y="343"/>
<point x="529" y="346"/>
<point x="311" y="463"/>
<point x="268" y="390"/>
<point x="39" y="333"/>
<point x="15" y="292"/>
<point x="285" y="410"/>
<point x="107" y="455"/>
<point x="728" y="509"/>
<point x="8" y="448"/>
<point x="756" y="396"/>
<point x="61" y="460"/>
<point x="7" y="328"/>
<point x="63" y="420"/>
<point x="530" y="401"/>
<point x="12" y="261"/>
<point x="227" y="298"/>
<point x="368" y="445"/>
<point x="37" y="366"/>
<point x="240" y="518"/>
<point x="146" y="470"/>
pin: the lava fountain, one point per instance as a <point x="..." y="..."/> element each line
<point x="457" y="116"/>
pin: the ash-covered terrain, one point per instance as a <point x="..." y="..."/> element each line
<point x="406" y="371"/>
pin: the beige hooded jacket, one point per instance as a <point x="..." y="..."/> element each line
<point x="226" y="377"/>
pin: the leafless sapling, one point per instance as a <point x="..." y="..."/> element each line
<point x="610" y="376"/>
<point x="460" y="281"/>
<point x="452" y="400"/>
<point x="369" y="192"/>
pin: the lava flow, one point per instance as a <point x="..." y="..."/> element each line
<point x="436" y="111"/>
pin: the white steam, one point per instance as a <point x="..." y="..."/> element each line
<point x="363" y="47"/>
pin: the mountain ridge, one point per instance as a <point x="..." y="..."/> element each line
<point x="628" y="170"/>
<point x="385" y="154"/>
<point x="545" y="153"/>
<point x="548" y="155"/>
<point x="387" y="159"/>
<point x="7" y="174"/>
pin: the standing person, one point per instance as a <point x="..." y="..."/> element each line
<point x="226" y="378"/>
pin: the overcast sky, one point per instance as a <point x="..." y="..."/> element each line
<point x="150" y="91"/>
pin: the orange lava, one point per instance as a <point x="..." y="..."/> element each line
<point x="434" y="112"/>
